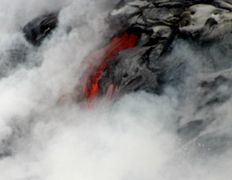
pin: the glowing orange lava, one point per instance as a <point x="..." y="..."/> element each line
<point x="117" y="44"/>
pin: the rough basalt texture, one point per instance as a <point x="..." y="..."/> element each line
<point x="161" y="24"/>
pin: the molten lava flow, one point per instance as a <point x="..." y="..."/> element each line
<point x="118" y="43"/>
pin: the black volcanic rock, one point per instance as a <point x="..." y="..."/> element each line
<point x="161" y="23"/>
<point x="39" y="28"/>
<point x="130" y="71"/>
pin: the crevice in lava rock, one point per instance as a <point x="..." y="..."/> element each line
<point x="118" y="43"/>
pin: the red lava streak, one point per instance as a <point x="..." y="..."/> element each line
<point x="117" y="44"/>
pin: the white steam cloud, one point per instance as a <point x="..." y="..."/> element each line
<point x="44" y="135"/>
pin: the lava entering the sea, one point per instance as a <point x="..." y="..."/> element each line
<point x="118" y="43"/>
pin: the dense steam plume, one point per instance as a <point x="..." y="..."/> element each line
<point x="45" y="134"/>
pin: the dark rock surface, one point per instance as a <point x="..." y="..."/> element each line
<point x="161" y="23"/>
<point x="39" y="28"/>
